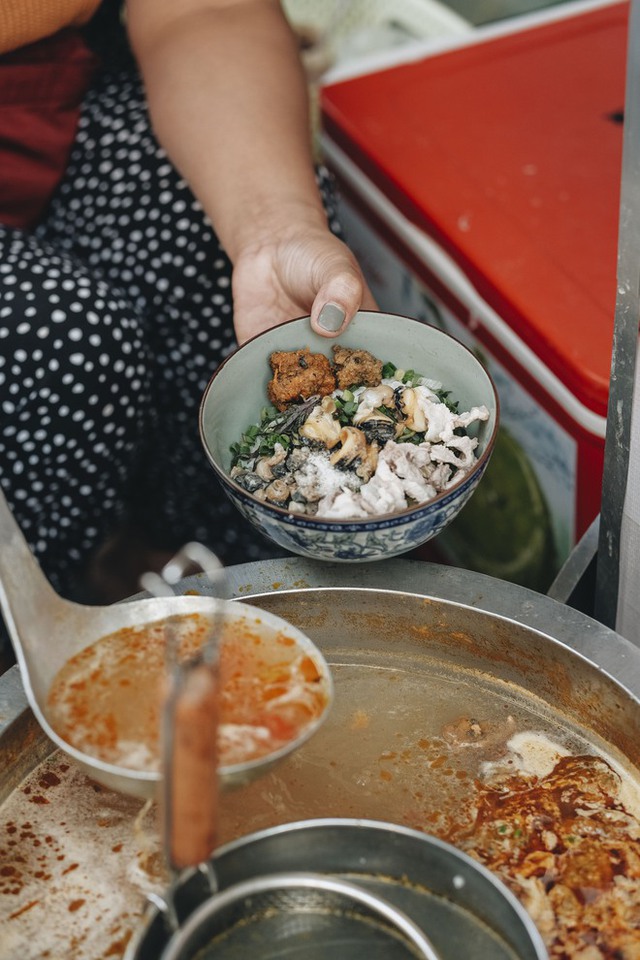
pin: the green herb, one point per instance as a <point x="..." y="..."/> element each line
<point x="410" y="436"/>
<point x="345" y="409"/>
<point x="443" y="396"/>
<point x="388" y="412"/>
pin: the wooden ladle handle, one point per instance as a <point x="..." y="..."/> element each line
<point x="191" y="765"/>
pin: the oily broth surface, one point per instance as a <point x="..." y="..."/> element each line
<point x="553" y="813"/>
<point x="107" y="700"/>
<point x="395" y="747"/>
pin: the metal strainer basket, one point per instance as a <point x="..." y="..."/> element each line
<point x="303" y="916"/>
<point x="302" y="890"/>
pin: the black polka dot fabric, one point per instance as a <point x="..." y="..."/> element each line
<point x="114" y="313"/>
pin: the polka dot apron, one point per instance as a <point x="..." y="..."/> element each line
<point x="114" y="312"/>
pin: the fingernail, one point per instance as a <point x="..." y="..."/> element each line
<point x="331" y="317"/>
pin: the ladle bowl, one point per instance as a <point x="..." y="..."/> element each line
<point x="47" y="630"/>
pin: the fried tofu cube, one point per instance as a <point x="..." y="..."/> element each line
<point x="298" y="375"/>
<point x="356" y="368"/>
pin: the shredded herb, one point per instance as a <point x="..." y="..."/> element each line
<point x="444" y="397"/>
<point x="259" y="440"/>
<point x="345" y="409"/>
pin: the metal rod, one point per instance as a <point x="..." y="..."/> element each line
<point x="574" y="570"/>
<point x="625" y="343"/>
<point x="180" y="671"/>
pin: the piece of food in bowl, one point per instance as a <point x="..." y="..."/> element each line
<point x="356" y="366"/>
<point x="379" y="441"/>
<point x="298" y="374"/>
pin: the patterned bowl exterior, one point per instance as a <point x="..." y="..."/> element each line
<point x="361" y="540"/>
<point x="339" y="540"/>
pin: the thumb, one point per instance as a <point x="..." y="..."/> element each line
<point x="338" y="300"/>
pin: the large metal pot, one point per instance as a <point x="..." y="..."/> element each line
<point x="413" y="646"/>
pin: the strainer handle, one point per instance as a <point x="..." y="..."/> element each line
<point x="190" y="724"/>
<point x="190" y="808"/>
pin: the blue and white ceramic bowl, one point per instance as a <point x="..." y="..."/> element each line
<point x="236" y="394"/>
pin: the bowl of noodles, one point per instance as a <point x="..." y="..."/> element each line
<point x="352" y="449"/>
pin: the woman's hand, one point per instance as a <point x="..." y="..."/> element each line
<point x="306" y="271"/>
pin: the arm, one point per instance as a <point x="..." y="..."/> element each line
<point x="228" y="100"/>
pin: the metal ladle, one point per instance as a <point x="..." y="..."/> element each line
<point x="47" y="630"/>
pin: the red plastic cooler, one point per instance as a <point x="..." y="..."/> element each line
<point x="481" y="191"/>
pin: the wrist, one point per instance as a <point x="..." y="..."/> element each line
<point x="260" y="223"/>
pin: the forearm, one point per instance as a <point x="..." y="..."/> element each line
<point x="228" y="101"/>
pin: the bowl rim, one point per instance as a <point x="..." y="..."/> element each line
<point x="314" y="522"/>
